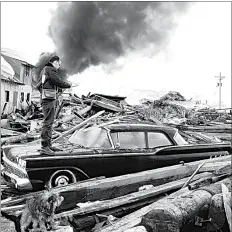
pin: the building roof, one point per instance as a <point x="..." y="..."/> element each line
<point x="7" y="72"/>
<point x="16" y="55"/>
<point x="15" y="60"/>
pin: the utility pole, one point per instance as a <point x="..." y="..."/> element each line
<point x="219" y="84"/>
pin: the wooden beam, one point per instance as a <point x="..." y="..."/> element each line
<point x="168" y="206"/>
<point x="227" y="204"/>
<point x="131" y="198"/>
<point x="121" y="185"/>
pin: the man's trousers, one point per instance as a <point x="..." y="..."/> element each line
<point x="48" y="108"/>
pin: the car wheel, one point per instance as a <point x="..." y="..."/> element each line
<point x="61" y="178"/>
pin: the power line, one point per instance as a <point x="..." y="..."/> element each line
<point x="219" y="84"/>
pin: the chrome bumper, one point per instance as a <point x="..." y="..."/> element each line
<point x="18" y="182"/>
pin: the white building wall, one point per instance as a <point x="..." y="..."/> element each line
<point x="11" y="87"/>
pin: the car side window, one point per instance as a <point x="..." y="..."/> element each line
<point x="156" y="139"/>
<point x="129" y="140"/>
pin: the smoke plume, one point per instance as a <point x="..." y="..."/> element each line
<point x="90" y="33"/>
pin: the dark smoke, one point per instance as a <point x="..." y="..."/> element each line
<point x="43" y="60"/>
<point x="90" y="33"/>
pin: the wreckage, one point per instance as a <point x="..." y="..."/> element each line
<point x="130" y="202"/>
<point x="94" y="151"/>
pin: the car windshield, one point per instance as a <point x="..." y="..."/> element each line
<point x="92" y="138"/>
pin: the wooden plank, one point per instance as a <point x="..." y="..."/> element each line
<point x="8" y="132"/>
<point x="19" y="199"/>
<point x="131" y="198"/>
<point x="78" y="126"/>
<point x="63" y="229"/>
<point x="14" y="139"/>
<point x="12" y="208"/>
<point x="137" y="229"/>
<point x="227" y="204"/>
<point x="217" y="168"/>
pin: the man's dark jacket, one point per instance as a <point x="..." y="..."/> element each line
<point x="52" y="80"/>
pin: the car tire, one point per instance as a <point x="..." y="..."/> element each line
<point x="61" y="178"/>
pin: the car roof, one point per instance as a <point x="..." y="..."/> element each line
<point x="141" y="127"/>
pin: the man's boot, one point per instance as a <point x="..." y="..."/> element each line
<point x="55" y="149"/>
<point x="46" y="150"/>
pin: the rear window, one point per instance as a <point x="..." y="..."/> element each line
<point x="157" y="139"/>
<point x="129" y="140"/>
<point x="179" y="139"/>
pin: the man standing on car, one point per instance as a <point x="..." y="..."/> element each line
<point x="48" y="85"/>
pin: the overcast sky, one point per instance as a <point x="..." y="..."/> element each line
<point x="199" y="49"/>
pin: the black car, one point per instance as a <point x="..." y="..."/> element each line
<point x="111" y="150"/>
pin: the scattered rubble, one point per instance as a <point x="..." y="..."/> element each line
<point x="137" y="199"/>
<point x="72" y="110"/>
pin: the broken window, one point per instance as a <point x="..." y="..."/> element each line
<point x="15" y="98"/>
<point x="129" y="140"/>
<point x="157" y="139"/>
<point x="7" y="94"/>
<point x="28" y="97"/>
<point x="22" y="96"/>
<point x="92" y="138"/>
<point x="26" y="70"/>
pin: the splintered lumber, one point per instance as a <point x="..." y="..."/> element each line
<point x="130" y="198"/>
<point x="78" y="126"/>
<point x="84" y="110"/>
<point x="14" y="139"/>
<point x="226" y="169"/>
<point x="206" y="181"/>
<point x="191" y="177"/>
<point x="19" y="199"/>
<point x="134" y="219"/>
<point x="68" y="118"/>
<point x="219" y="168"/>
<point x="7" y="132"/>
<point x="137" y="229"/>
<point x="73" y="116"/>
<point x="173" y="212"/>
<point x="12" y="208"/>
<point x="63" y="229"/>
<point x="227" y="204"/>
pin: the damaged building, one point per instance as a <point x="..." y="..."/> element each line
<point x="16" y="81"/>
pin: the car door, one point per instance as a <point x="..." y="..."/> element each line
<point x="129" y="149"/>
<point x="158" y="140"/>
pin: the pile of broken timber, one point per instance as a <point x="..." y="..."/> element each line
<point x="89" y="202"/>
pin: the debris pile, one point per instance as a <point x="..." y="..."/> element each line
<point x="143" y="201"/>
<point x="175" y="198"/>
<point x="72" y="110"/>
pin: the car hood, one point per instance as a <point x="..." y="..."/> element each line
<point x="32" y="151"/>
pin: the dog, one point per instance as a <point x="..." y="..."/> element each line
<point x="40" y="211"/>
